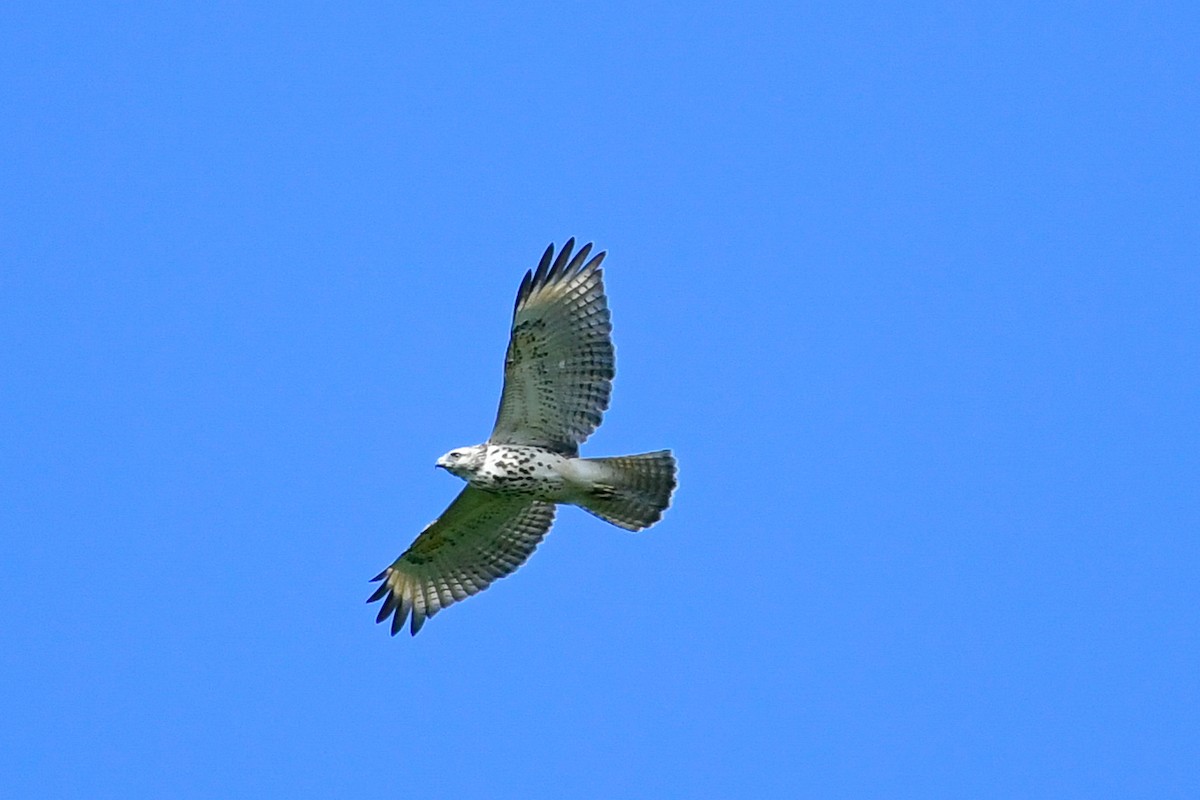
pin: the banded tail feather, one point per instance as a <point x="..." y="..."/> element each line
<point x="633" y="491"/>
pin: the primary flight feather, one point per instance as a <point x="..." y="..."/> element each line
<point x="557" y="382"/>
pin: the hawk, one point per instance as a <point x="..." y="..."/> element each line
<point x="557" y="380"/>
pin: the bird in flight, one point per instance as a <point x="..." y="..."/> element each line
<point x="557" y="381"/>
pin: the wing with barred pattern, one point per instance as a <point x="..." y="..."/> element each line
<point x="481" y="537"/>
<point x="560" y="363"/>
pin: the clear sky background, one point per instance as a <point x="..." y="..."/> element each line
<point x="912" y="289"/>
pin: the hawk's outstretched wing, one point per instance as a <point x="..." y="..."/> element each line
<point x="479" y="538"/>
<point x="559" y="367"/>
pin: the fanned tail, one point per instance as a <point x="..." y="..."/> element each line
<point x="632" y="492"/>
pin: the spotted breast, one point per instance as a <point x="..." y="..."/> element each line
<point x="521" y="469"/>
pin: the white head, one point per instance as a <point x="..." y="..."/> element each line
<point x="463" y="461"/>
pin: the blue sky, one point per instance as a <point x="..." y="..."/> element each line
<point x="911" y="290"/>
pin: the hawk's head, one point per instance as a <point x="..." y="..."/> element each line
<point x="463" y="461"/>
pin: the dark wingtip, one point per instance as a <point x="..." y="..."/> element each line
<point x="579" y="258"/>
<point x="523" y="292"/>
<point x="543" y="267"/>
<point x="389" y="605"/>
<point x="560" y="263"/>
<point x="551" y="268"/>
<point x="379" y="593"/>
